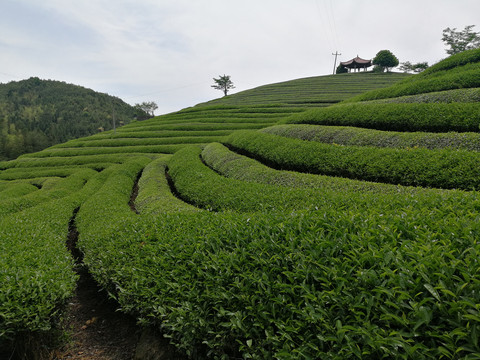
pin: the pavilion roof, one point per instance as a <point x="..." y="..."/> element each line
<point x="357" y="61"/>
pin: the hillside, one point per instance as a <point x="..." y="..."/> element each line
<point x="259" y="228"/>
<point x="314" y="91"/>
<point x="35" y="114"/>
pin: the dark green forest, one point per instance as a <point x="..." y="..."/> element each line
<point x="35" y="114"/>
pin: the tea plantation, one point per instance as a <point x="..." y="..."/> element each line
<point x="334" y="217"/>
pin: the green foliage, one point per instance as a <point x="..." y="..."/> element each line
<point x="230" y="258"/>
<point x="341" y="69"/>
<point x="313" y="91"/>
<point x="369" y="279"/>
<point x="154" y="194"/>
<point x="50" y="190"/>
<point x="433" y="117"/>
<point x="36" y="270"/>
<point x="385" y="59"/>
<point x="239" y="167"/>
<point x="223" y="83"/>
<point x="348" y="135"/>
<point x="459" y="41"/>
<point x="38" y="113"/>
<point x="448" y="169"/>
<point x="458" y="71"/>
<point x="17" y="189"/>
<point x="36" y="275"/>
<point x="407" y="66"/>
<point x="120" y="142"/>
<point x="447" y="96"/>
<point x="148" y="108"/>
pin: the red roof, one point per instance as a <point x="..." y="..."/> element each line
<point x="357" y="61"/>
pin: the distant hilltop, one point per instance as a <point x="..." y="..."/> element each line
<point x="35" y="114"/>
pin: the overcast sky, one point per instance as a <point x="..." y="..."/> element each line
<point x="168" y="51"/>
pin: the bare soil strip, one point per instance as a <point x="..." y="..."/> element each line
<point x="134" y="194"/>
<point x="95" y="329"/>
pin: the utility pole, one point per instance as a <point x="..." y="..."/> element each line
<point x="335" y="62"/>
<point x="113" y="119"/>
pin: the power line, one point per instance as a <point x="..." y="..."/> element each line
<point x="324" y="22"/>
<point x="163" y="91"/>
<point x="334" y="24"/>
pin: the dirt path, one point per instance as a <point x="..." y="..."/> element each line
<point x="95" y="329"/>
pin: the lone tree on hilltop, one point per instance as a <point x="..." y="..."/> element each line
<point x="459" y="41"/>
<point x="223" y="83"/>
<point x="385" y="60"/>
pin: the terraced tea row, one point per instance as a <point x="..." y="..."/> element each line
<point x="445" y="168"/>
<point x="313" y="91"/>
<point x="36" y="276"/>
<point x="460" y="71"/>
<point x="378" y="256"/>
<point x="230" y="258"/>
<point x="432" y="117"/>
<point x="345" y="135"/>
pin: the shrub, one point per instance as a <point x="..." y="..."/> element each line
<point x="345" y="135"/>
<point x="433" y="117"/>
<point x="154" y="195"/>
<point x="417" y="167"/>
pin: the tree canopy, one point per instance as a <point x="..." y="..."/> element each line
<point x="386" y="60"/>
<point x="407" y="66"/>
<point x="147" y="107"/>
<point x="459" y="41"/>
<point x="223" y="83"/>
<point x="35" y="114"/>
<point x="341" y="69"/>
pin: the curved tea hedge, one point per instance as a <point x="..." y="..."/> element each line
<point x="444" y="168"/>
<point x="154" y="194"/>
<point x="432" y="117"/>
<point x="16" y="190"/>
<point x="447" y="96"/>
<point x="348" y="135"/>
<point x="230" y="258"/>
<point x="239" y="167"/>
<point x="372" y="280"/>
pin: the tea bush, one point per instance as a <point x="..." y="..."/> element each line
<point x="346" y="135"/>
<point x="17" y="189"/>
<point x="57" y="190"/>
<point x="154" y="195"/>
<point x="239" y="167"/>
<point x="444" y="168"/>
<point x="432" y="117"/>
<point x="323" y="283"/>
<point x="456" y="72"/>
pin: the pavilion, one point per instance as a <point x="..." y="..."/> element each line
<point x="356" y="64"/>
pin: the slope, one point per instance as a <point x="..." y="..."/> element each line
<point x="38" y="113"/>
<point x="246" y="242"/>
<point x="313" y="91"/>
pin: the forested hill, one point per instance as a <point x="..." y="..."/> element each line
<point x="35" y="114"/>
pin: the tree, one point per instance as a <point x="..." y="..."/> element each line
<point x="341" y="69"/>
<point x="148" y="107"/>
<point x="407" y="66"/>
<point x="459" y="41"/>
<point x="385" y="59"/>
<point x="223" y="83"/>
